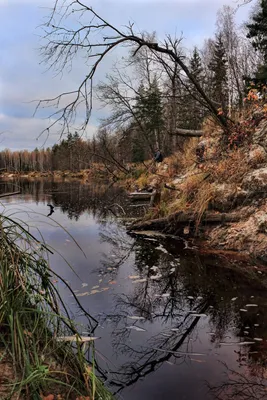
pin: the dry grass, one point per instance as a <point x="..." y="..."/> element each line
<point x="191" y="186"/>
<point x="203" y="198"/>
<point x="230" y="169"/>
<point x="259" y="158"/>
<point x="210" y="127"/>
<point x="174" y="164"/>
<point x="197" y="194"/>
<point x="143" y="180"/>
<point x="32" y="317"/>
<point x="179" y="204"/>
<point x="188" y="157"/>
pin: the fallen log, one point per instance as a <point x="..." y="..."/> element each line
<point x="140" y="195"/>
<point x="171" y="188"/>
<point x="180" y="219"/>
<point x="188" y="133"/>
<point x="9" y="194"/>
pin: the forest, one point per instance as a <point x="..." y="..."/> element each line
<point x="154" y="102"/>
<point x="162" y="262"/>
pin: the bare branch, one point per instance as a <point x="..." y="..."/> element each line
<point x="94" y="40"/>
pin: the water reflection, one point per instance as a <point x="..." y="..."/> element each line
<point x="187" y="296"/>
<point x="241" y="386"/>
<point x="71" y="197"/>
<point x="173" y="323"/>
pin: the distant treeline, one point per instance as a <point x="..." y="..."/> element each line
<point x="73" y="153"/>
<point x="153" y="103"/>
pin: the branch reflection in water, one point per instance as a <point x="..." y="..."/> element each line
<point x="176" y="290"/>
<point x="168" y="309"/>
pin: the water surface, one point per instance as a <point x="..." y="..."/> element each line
<point x="173" y="324"/>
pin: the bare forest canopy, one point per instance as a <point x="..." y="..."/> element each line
<point x="157" y="96"/>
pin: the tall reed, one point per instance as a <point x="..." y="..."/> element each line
<point x="33" y="317"/>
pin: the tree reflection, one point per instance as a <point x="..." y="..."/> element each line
<point x="188" y="286"/>
<point x="121" y="244"/>
<point x="72" y="197"/>
<point x="240" y="386"/>
<point x="168" y="289"/>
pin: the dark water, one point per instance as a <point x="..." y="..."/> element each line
<point x="174" y="324"/>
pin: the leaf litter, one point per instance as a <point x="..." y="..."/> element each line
<point x="135" y="328"/>
<point x="82" y="339"/>
<point x="236" y="343"/>
<point x="94" y="291"/>
<point x="139" y="280"/>
<point x="198" y="315"/>
<point x="134" y="276"/>
<point x="82" y="294"/>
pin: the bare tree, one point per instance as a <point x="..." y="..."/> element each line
<point x="145" y="62"/>
<point x="94" y="39"/>
<point x="241" y="56"/>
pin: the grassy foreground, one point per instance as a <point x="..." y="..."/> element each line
<point x="36" y="362"/>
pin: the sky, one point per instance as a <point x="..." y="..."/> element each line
<point x="24" y="78"/>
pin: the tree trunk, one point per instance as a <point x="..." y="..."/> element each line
<point x="177" y="222"/>
<point x="187" y="133"/>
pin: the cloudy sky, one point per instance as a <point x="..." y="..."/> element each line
<point x="24" y="78"/>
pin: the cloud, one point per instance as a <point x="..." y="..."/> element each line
<point x="38" y="3"/>
<point x="23" y="78"/>
<point x="22" y="133"/>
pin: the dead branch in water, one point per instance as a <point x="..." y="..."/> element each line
<point x="179" y="220"/>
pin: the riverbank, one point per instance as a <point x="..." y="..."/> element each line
<point x="43" y="355"/>
<point x="57" y="175"/>
<point x="151" y="297"/>
<point x="220" y="196"/>
<point x="214" y="189"/>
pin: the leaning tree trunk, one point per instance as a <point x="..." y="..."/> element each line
<point x="177" y="222"/>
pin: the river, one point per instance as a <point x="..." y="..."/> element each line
<point x="173" y="323"/>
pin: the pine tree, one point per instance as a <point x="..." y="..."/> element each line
<point x="218" y="66"/>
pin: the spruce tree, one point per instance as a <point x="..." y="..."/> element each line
<point x="195" y="108"/>
<point x="257" y="29"/>
<point x="149" y="113"/>
<point x="257" y="32"/>
<point x="218" y="66"/>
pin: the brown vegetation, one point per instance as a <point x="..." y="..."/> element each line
<point x="230" y="179"/>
